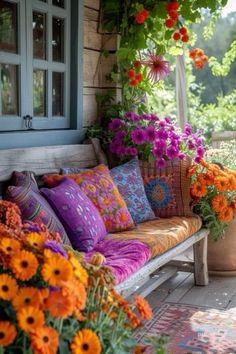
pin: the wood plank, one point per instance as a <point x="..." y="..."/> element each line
<point x="92" y="61"/>
<point x="90" y="108"/>
<point x="183" y="287"/>
<point x="92" y="39"/>
<point x="216" y="295"/>
<point x="110" y="41"/>
<point x="48" y="159"/>
<point x="200" y="262"/>
<point x="91" y="15"/>
<point x="106" y="67"/>
<point x="94" y="4"/>
<point x="162" y="292"/>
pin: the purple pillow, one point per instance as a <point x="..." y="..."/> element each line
<point x="33" y="206"/>
<point x="81" y="219"/>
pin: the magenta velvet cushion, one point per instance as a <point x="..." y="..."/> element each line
<point x="81" y="219"/>
<point x="123" y="257"/>
<point x="33" y="206"/>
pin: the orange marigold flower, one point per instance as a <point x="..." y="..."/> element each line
<point x="86" y="341"/>
<point x="30" y="318"/>
<point x="139" y="349"/>
<point x="226" y="215"/>
<point x="35" y="240"/>
<point x="58" y="305"/>
<point x="43" y="295"/>
<point x="204" y="164"/>
<point x="9" y="245"/>
<point x="8" y="287"/>
<point x="191" y="170"/>
<point x="27" y="296"/>
<point x="143" y="307"/>
<point x="7" y="333"/>
<point x="221" y="183"/>
<point x="45" y="340"/>
<point x="219" y="202"/>
<point x="24" y="265"/>
<point x="79" y="271"/>
<point x="198" y="189"/>
<point x="56" y="270"/>
<point x="232" y="182"/>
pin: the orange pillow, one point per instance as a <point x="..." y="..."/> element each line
<point x="100" y="188"/>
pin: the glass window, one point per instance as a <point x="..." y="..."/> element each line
<point x="58" y="39"/>
<point x="59" y="3"/>
<point x="39" y="93"/>
<point x="57" y="94"/>
<point x="39" y="35"/>
<point x="9" y="94"/>
<point x="8" y="27"/>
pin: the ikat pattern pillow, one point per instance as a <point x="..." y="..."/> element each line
<point x="168" y="189"/>
<point x="129" y="181"/>
<point x="80" y="218"/>
<point x="100" y="188"/>
<point x="33" y="206"/>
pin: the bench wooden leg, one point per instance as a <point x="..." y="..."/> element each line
<point x="200" y="262"/>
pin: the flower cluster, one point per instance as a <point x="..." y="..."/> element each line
<point x="152" y="138"/>
<point x="199" y="58"/>
<point x="173" y="14"/>
<point x="214" y="193"/>
<point x="51" y="302"/>
<point x="141" y="16"/>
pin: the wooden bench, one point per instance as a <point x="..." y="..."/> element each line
<point x="42" y="160"/>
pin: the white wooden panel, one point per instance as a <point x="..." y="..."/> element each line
<point x="47" y="159"/>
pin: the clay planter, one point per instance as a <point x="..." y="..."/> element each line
<point x="222" y="253"/>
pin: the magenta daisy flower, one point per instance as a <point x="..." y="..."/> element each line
<point x="159" y="68"/>
<point x="138" y="136"/>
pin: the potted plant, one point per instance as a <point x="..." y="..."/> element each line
<point x="214" y="193"/>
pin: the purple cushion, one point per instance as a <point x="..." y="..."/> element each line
<point x="123" y="257"/>
<point x="77" y="213"/>
<point x="32" y="205"/>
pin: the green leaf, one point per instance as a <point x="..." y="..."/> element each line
<point x="63" y="347"/>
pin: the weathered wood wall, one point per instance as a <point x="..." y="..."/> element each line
<point x="96" y="65"/>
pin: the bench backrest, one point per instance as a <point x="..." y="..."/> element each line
<point x="49" y="159"/>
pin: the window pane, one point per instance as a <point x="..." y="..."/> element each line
<point x="57" y="94"/>
<point x="59" y="3"/>
<point x="39" y="93"/>
<point x="8" y="91"/>
<point x="8" y="26"/>
<point x="58" y="39"/>
<point x="39" y="35"/>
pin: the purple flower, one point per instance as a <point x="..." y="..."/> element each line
<point x="154" y="118"/>
<point x="150" y="133"/>
<point x="158" y="152"/>
<point x="172" y="152"/>
<point x="131" y="151"/>
<point x="138" y="136"/>
<point x="120" y="136"/>
<point x="132" y="116"/>
<point x="181" y="156"/>
<point x="121" y="150"/>
<point x="29" y="226"/>
<point x="162" y="134"/>
<point x="159" y="68"/>
<point x="197" y="159"/>
<point x="200" y="151"/>
<point x="160" y="163"/>
<point x="188" y="129"/>
<point x="160" y="144"/>
<point x="115" y="124"/>
<point x="168" y="120"/>
<point x="191" y="145"/>
<point x="56" y="248"/>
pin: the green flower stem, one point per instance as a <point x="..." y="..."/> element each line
<point x="60" y="325"/>
<point x="1" y="350"/>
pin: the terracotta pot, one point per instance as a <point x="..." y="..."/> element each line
<point x="222" y="253"/>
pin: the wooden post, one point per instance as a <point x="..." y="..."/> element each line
<point x="181" y="95"/>
<point x="200" y="262"/>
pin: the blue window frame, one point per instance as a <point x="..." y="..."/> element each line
<point x="42" y="54"/>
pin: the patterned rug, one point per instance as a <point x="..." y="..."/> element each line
<point x="193" y="330"/>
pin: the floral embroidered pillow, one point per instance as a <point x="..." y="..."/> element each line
<point x="99" y="186"/>
<point x="129" y="181"/>
<point x="168" y="189"/>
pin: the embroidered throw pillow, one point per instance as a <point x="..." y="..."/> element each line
<point x="33" y="206"/>
<point x="129" y="181"/>
<point x="98" y="185"/>
<point x="168" y="189"/>
<point x="81" y="219"/>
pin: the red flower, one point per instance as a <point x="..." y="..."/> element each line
<point x="131" y="73"/>
<point x="137" y="64"/>
<point x="176" y="36"/>
<point x="169" y="23"/>
<point x="141" y="17"/>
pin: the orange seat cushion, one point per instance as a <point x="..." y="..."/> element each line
<point x="161" y="234"/>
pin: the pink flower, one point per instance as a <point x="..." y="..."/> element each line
<point x="159" y="68"/>
<point x="160" y="163"/>
<point x="150" y="133"/>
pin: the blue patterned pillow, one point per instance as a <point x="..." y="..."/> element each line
<point x="129" y="181"/>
